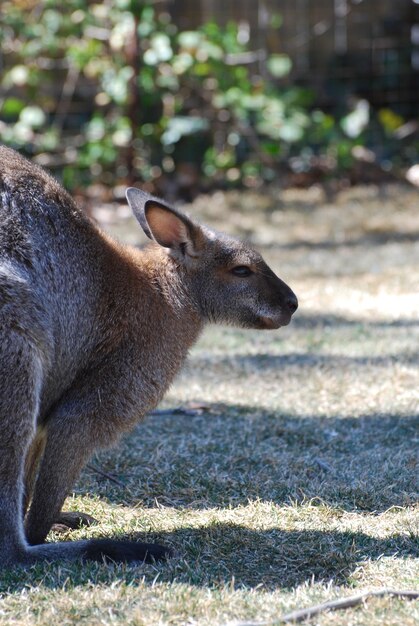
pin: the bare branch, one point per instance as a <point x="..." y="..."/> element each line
<point x="105" y="475"/>
<point x="333" y="605"/>
<point x="66" y="96"/>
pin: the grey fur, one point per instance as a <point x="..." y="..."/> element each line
<point x="92" y="334"/>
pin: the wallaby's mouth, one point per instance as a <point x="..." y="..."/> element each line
<point x="272" y="323"/>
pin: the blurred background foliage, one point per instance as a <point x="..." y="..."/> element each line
<point x="115" y="92"/>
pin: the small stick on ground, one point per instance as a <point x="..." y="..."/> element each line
<point x="105" y="475"/>
<point x="333" y="605"/>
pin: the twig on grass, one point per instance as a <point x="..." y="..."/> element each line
<point x="333" y="605"/>
<point x="105" y="475"/>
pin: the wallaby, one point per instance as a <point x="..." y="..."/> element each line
<point x="92" y="333"/>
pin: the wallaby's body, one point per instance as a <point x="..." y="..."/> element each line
<point x="91" y="336"/>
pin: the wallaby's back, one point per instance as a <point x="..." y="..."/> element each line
<point x="36" y="214"/>
<point x="53" y="263"/>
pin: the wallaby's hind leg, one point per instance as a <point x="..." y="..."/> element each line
<point x="20" y="380"/>
<point x="69" y="445"/>
<point x="83" y="421"/>
<point x="66" y="520"/>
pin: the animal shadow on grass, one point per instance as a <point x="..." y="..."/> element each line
<point x="278" y="558"/>
<point x="216" y="554"/>
<point x="231" y="455"/>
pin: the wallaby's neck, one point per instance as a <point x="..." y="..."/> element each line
<point x="159" y="289"/>
<point x="165" y="281"/>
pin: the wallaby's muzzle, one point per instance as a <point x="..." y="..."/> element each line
<point x="282" y="318"/>
<point x="280" y="302"/>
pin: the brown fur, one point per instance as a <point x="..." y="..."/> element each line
<point x="92" y="333"/>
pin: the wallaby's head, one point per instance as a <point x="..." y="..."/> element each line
<point x="228" y="280"/>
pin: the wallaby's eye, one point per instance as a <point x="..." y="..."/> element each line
<point x="242" y="271"/>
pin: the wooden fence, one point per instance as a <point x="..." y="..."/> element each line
<point x="369" y="48"/>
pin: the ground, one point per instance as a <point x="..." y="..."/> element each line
<point x="288" y="475"/>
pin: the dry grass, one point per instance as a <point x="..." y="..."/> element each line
<point x="297" y="482"/>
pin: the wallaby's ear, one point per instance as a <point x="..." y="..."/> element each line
<point x="165" y="225"/>
<point x="137" y="199"/>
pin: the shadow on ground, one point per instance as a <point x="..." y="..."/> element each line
<point x="232" y="454"/>
<point x="214" y="555"/>
<point x="379" y="238"/>
<point x="278" y="558"/>
<point x="305" y="321"/>
<point x="266" y="361"/>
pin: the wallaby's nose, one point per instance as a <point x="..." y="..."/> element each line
<point x="292" y="303"/>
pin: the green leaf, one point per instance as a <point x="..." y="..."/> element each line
<point x="254" y="101"/>
<point x="182" y="62"/>
<point x="357" y="120"/>
<point x="290" y="131"/>
<point x="12" y="107"/>
<point x="181" y="126"/>
<point x="32" y="116"/>
<point x="18" y="75"/>
<point x="52" y="19"/>
<point x="272" y="148"/>
<point x="190" y="39"/>
<point x="275" y="20"/>
<point x="212" y="50"/>
<point x="160" y="44"/>
<point x="279" y="65"/>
